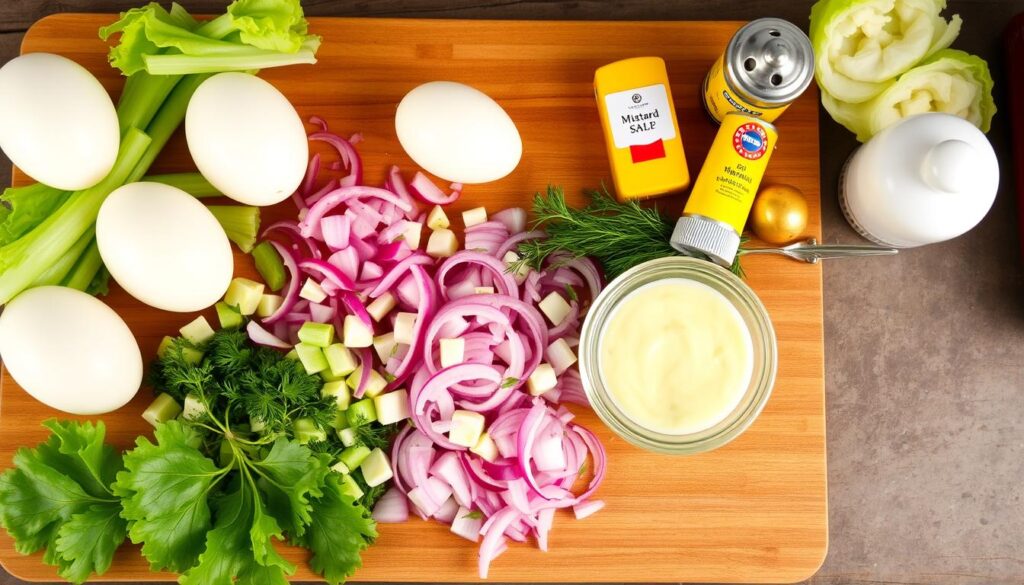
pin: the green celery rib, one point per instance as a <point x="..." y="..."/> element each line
<point x="240" y="223"/>
<point x="247" y="59"/>
<point x="144" y="95"/>
<point x="167" y="120"/>
<point x="22" y="261"/>
<point x="85" y="270"/>
<point x="194" y="184"/>
<point x="62" y="267"/>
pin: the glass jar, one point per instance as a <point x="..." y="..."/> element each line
<point x="754" y="315"/>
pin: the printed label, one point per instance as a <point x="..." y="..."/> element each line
<point x="750" y="141"/>
<point x="640" y="116"/>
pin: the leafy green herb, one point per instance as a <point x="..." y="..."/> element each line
<point x="571" y="293"/>
<point x="473" y="515"/>
<point x="57" y="496"/>
<point x="509" y="382"/>
<point x="618" y="235"/>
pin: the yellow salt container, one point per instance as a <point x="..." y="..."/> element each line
<point x="641" y="131"/>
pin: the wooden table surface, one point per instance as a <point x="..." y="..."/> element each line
<point x="924" y="352"/>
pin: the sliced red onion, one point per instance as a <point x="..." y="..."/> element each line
<point x="291" y="231"/>
<point x="515" y="240"/>
<point x="347" y="262"/>
<point x="392" y="507"/>
<point x="494" y="538"/>
<point x="320" y="313"/>
<point x="397" y="271"/>
<point x="447" y="511"/>
<point x="506" y="284"/>
<point x="514" y="218"/>
<point x="261" y="336"/>
<point x="467" y="524"/>
<point x="328" y="271"/>
<point x="342" y="195"/>
<point x="587" y="508"/>
<point x="336" y="230"/>
<point x="346" y="151"/>
<point x="366" y="365"/>
<point x="425" y="189"/>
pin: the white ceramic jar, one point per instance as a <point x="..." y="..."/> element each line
<point x="928" y="178"/>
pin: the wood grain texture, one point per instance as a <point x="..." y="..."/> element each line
<point x="752" y="511"/>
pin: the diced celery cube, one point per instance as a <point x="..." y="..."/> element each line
<point x="555" y="307"/>
<point x="356" y="333"/>
<point x="392" y="407"/>
<point x="381" y="306"/>
<point x="475" y="216"/>
<point x="244" y="294"/>
<point x="341" y="468"/>
<point x="467" y="426"/>
<point x="437" y="219"/>
<point x="485" y="448"/>
<point x="541" y="380"/>
<point x="339" y="391"/>
<point x="228" y="316"/>
<point x="350" y="488"/>
<point x="376" y="468"/>
<point x="257" y="425"/>
<point x="312" y="358"/>
<point x="268" y="305"/>
<point x="385" y="346"/>
<point x="405" y="323"/>
<point x="312" y="292"/>
<point x="163" y="409"/>
<point x="452" y="351"/>
<point x="198" y="331"/>
<point x="340" y="360"/>
<point x="442" y="243"/>
<point x="318" y="334"/>
<point x="194" y="409"/>
<point x="191" y="356"/>
<point x="305" y="430"/>
<point x="374" y="386"/>
<point x="354" y="455"/>
<point x="361" y="413"/>
<point x="340" y="420"/>
<point x="292" y="355"/>
<point x="347" y="436"/>
<point x="165" y="344"/>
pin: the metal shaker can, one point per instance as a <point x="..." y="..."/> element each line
<point x="767" y="65"/>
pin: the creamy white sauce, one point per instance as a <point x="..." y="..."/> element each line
<point x="676" y="356"/>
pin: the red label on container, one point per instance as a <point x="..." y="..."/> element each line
<point x="644" y="152"/>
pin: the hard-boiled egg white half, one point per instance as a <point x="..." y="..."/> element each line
<point x="164" y="247"/>
<point x="458" y="133"/>
<point x="246" y="138"/>
<point x="69" y="350"/>
<point x="57" y="123"/>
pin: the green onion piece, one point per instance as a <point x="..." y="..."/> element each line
<point x="163" y="409"/>
<point x="353" y="456"/>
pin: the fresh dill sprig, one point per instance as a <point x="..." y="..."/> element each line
<point x="618" y="235"/>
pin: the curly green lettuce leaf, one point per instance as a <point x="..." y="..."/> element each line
<point x="289" y="475"/>
<point x="950" y="81"/>
<point x="861" y="45"/>
<point x="274" y="25"/>
<point x="341" y="529"/>
<point x="253" y="34"/>
<point x="57" y="496"/>
<point x="23" y="208"/>
<point x="165" y="490"/>
<point x="240" y="544"/>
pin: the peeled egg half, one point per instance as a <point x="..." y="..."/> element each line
<point x="69" y="350"/>
<point x="246" y="139"/>
<point x="57" y="123"/>
<point x="164" y="247"/>
<point x="457" y="133"/>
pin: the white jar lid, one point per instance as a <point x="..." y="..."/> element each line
<point x="926" y="179"/>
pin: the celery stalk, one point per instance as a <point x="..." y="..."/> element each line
<point x="166" y="121"/>
<point x="244" y="59"/>
<point x="89" y="264"/>
<point x="22" y="261"/>
<point x="144" y="95"/>
<point x="240" y="223"/>
<point x="62" y="267"/>
<point x="192" y="183"/>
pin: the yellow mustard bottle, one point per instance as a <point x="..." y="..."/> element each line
<point x="641" y="131"/>
<point x="724" y="192"/>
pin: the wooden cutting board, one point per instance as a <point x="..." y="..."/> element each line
<point x="752" y="511"/>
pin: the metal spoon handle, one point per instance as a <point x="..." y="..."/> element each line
<point x="811" y="251"/>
